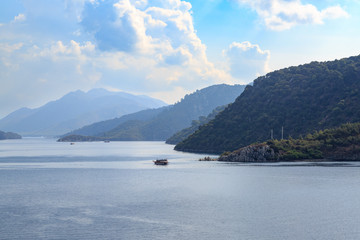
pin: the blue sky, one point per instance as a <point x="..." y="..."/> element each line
<point x="162" y="48"/>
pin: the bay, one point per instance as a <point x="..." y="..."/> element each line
<point x="97" y="190"/>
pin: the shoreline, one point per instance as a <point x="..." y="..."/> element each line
<point x="323" y="160"/>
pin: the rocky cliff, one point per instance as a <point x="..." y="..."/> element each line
<point x="253" y="153"/>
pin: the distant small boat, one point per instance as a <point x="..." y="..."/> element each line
<point x="72" y="143"/>
<point x="161" y="162"/>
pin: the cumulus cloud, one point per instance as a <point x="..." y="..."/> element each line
<point x="141" y="46"/>
<point x="115" y="25"/>
<point x="160" y="34"/>
<point x="334" y="12"/>
<point x="74" y="49"/>
<point x="142" y="26"/>
<point x="247" y="61"/>
<point x="284" y="14"/>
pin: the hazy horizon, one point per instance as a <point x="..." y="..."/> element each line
<point x="164" y="49"/>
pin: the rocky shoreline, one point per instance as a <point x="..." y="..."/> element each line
<point x="252" y="153"/>
<point x="263" y="153"/>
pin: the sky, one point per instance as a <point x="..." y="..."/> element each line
<point x="162" y="48"/>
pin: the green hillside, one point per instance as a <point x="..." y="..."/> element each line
<point x="341" y="143"/>
<point x="195" y="124"/>
<point x="176" y="117"/>
<point x="301" y="99"/>
<point x="99" y="128"/>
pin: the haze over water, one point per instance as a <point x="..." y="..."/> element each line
<point x="99" y="190"/>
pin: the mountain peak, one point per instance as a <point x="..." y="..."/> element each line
<point x="74" y="110"/>
<point x="159" y="125"/>
<point x="98" y="92"/>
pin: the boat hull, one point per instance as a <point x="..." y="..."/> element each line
<point x="161" y="162"/>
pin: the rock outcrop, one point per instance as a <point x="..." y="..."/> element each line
<point x="9" y="135"/>
<point x="253" y="153"/>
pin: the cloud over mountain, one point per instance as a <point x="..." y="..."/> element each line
<point x="246" y="60"/>
<point x="136" y="46"/>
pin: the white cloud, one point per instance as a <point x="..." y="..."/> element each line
<point x="172" y="95"/>
<point x="247" y="61"/>
<point x="73" y="49"/>
<point x="144" y="46"/>
<point x="334" y="12"/>
<point x="19" y="18"/>
<point x="9" y="48"/>
<point x="154" y="35"/>
<point x="33" y="74"/>
<point x="284" y="14"/>
<point x="152" y="28"/>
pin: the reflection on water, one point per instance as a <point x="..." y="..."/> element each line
<point x="53" y="190"/>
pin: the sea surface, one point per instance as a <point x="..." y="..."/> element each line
<point x="97" y="190"/>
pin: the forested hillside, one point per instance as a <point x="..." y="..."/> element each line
<point x="300" y="99"/>
<point x="341" y="143"/>
<point x="177" y="116"/>
<point x="99" y="128"/>
<point x="195" y="124"/>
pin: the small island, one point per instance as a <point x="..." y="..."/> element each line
<point x="337" y="144"/>
<point x="9" y="135"/>
<point x="80" y="138"/>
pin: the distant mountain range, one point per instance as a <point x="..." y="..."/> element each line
<point x="99" y="128"/>
<point x="160" y="124"/>
<point x="299" y="99"/>
<point x="75" y="110"/>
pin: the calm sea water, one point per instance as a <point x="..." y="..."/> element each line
<point x="51" y="190"/>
